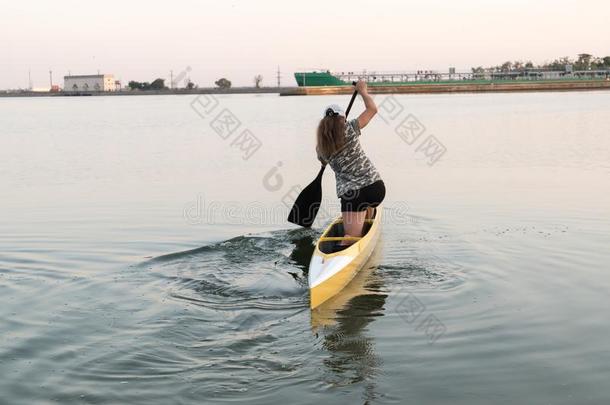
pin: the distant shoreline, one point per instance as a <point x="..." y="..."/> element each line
<point x="420" y="88"/>
<point x="209" y="90"/>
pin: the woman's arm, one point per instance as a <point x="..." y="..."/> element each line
<point x="369" y="104"/>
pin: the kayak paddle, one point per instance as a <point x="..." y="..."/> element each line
<point x="308" y="202"/>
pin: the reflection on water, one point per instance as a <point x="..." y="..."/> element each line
<point x="304" y="245"/>
<point x="343" y="322"/>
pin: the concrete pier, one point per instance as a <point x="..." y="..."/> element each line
<point x="457" y="87"/>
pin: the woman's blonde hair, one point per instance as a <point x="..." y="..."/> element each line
<point x="331" y="135"/>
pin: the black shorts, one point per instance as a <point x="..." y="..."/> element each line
<point x="359" y="200"/>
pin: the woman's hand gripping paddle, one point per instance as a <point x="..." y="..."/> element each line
<point x="308" y="202"/>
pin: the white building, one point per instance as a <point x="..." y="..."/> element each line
<point x="89" y="83"/>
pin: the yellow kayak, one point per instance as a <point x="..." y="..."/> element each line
<point x="326" y="313"/>
<point x="330" y="271"/>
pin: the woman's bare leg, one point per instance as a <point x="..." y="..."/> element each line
<point x="352" y="223"/>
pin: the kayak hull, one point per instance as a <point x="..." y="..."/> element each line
<point x="330" y="272"/>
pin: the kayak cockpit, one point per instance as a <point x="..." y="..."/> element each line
<point x="330" y="241"/>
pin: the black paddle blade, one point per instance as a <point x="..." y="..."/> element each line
<point x="308" y="203"/>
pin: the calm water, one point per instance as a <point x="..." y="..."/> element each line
<point x="144" y="260"/>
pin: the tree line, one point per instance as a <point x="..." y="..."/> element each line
<point x="159" y="84"/>
<point x="583" y="61"/>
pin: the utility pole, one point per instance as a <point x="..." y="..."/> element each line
<point x="279" y="76"/>
<point x="30" y="79"/>
<point x="51" y="78"/>
<point x="171" y="79"/>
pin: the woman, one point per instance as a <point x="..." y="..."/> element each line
<point x="359" y="185"/>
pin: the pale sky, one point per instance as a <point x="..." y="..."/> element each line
<point x="142" y="40"/>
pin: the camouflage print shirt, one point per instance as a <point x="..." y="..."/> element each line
<point x="353" y="169"/>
